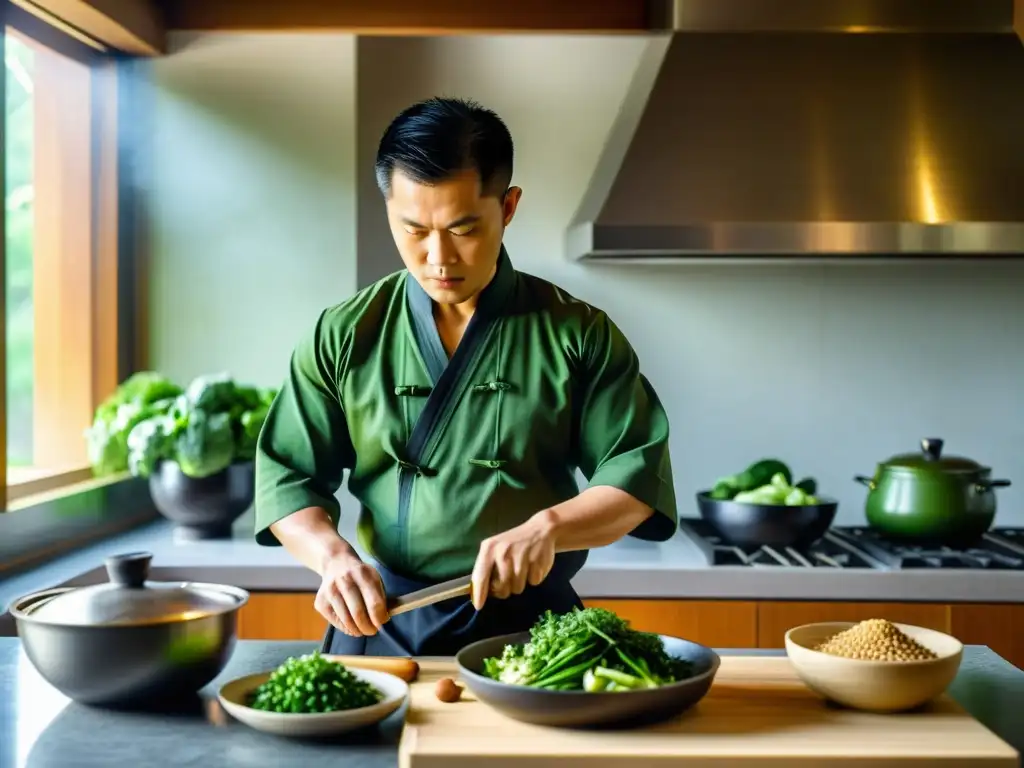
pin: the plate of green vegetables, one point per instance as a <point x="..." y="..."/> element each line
<point x="587" y="668"/>
<point x="312" y="695"/>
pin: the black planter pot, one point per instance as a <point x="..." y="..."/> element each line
<point x="203" y="507"/>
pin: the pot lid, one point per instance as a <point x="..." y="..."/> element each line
<point x="930" y="458"/>
<point x="128" y="598"/>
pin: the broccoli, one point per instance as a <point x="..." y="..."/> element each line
<point x="247" y="398"/>
<point x="204" y="428"/>
<point x="148" y="442"/>
<point x="207" y="444"/>
<point x="249" y="425"/>
<point x="140" y="396"/>
<point x="589" y="649"/>
<point x="213" y="394"/>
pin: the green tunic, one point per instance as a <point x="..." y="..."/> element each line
<point x="443" y="453"/>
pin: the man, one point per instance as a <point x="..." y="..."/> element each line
<point x="460" y="396"/>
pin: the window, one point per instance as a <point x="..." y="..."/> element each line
<point x="60" y="255"/>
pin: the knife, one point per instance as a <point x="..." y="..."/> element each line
<point x="446" y="590"/>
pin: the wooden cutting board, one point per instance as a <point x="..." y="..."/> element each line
<point x="757" y="713"/>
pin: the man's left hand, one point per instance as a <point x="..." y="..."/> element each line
<point x="511" y="560"/>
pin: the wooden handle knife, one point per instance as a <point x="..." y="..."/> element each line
<point x="446" y="590"/>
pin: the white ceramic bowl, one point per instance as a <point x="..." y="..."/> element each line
<point x="874" y="686"/>
<point x="234" y="695"/>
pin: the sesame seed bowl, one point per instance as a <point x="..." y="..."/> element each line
<point x="874" y="665"/>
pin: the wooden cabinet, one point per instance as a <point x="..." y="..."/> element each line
<point x="719" y="624"/>
<point x="280" y="616"/>
<point x="999" y="626"/>
<point x="716" y="623"/>
<point x="405" y="17"/>
<point x="774" y="619"/>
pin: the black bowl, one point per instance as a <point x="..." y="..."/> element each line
<point x="203" y="507"/>
<point x="579" y="709"/>
<point x="774" y="525"/>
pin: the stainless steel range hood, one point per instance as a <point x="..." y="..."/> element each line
<point x="816" y="128"/>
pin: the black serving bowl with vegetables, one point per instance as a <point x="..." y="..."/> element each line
<point x="588" y="669"/>
<point x="762" y="506"/>
<point x="202" y="507"/>
<point x="196" y="445"/>
<point x="746" y="524"/>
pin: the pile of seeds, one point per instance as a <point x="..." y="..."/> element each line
<point x="876" y="640"/>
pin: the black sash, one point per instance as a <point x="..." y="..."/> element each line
<point x="445" y="628"/>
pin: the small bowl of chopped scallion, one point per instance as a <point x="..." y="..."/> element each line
<point x="313" y="696"/>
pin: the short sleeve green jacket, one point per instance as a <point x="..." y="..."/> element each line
<point x="442" y="453"/>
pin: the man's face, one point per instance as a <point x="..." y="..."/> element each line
<point x="448" y="235"/>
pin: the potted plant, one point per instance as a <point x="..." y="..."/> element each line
<point x="195" y="445"/>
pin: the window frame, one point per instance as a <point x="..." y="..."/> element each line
<point x="116" y="312"/>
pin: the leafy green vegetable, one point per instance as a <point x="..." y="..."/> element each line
<point x="725" y="488"/>
<point x="205" y="428"/>
<point x="148" y="441"/>
<point x="144" y="387"/>
<point x="213" y="393"/>
<point x="766" y="481"/>
<point x="207" y="445"/>
<point x="141" y="396"/>
<point x="778" y="491"/>
<point x="807" y="485"/>
<point x="590" y="649"/>
<point x="754" y="476"/>
<point x="311" y="683"/>
<point x="250" y="422"/>
<point x="249" y="398"/>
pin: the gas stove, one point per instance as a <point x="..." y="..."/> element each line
<point x="857" y="547"/>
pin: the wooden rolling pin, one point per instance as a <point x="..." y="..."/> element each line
<point x="405" y="668"/>
<point x="400" y="666"/>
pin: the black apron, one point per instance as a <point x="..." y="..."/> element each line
<point x="444" y="628"/>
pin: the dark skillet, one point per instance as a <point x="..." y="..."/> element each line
<point x="774" y="525"/>
<point x="579" y="709"/>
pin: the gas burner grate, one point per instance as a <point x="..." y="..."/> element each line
<point x="858" y="547"/>
<point x="1007" y="538"/>
<point x="826" y="553"/>
<point x="999" y="550"/>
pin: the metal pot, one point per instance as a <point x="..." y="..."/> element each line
<point x="130" y="641"/>
<point x="929" y="497"/>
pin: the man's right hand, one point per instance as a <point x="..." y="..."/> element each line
<point x="351" y="596"/>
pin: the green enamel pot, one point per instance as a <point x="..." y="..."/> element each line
<point x="928" y="497"/>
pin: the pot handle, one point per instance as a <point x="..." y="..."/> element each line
<point x="129" y="570"/>
<point x="931" y="447"/>
<point x="984" y="485"/>
<point x="863" y="480"/>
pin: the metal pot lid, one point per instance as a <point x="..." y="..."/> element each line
<point x="129" y="599"/>
<point x="930" y="458"/>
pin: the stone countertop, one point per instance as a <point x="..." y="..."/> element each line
<point x="676" y="569"/>
<point x="40" y="728"/>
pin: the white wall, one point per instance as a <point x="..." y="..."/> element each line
<point x="830" y="367"/>
<point x="253" y="200"/>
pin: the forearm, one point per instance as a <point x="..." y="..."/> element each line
<point x="597" y="517"/>
<point x="311" y="538"/>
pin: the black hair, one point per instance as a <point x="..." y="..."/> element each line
<point x="435" y="139"/>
